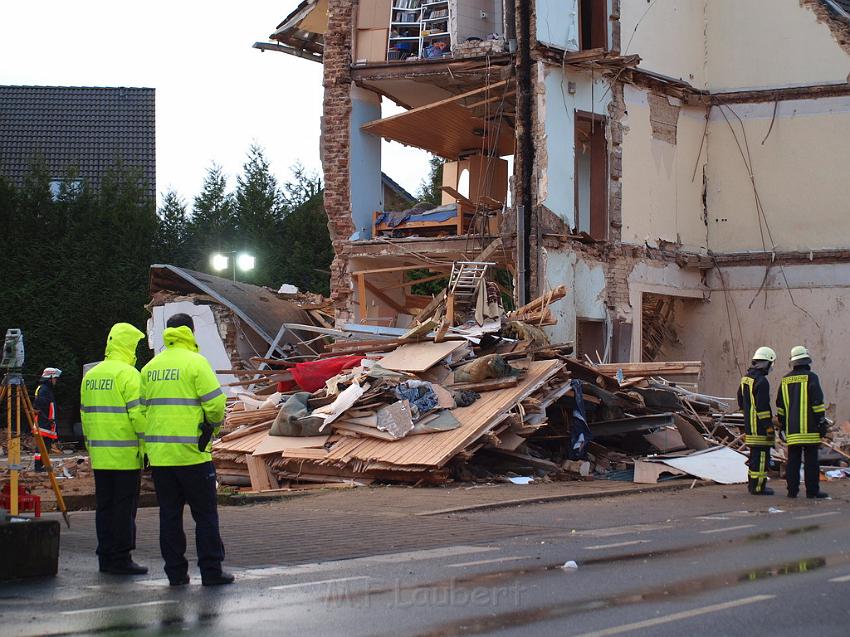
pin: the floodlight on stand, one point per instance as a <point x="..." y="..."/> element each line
<point x="219" y="262"/>
<point x="245" y="262"/>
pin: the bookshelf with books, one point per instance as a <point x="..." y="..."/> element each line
<point x="419" y="30"/>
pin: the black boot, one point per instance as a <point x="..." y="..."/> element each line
<point x="764" y="491"/>
<point x="180" y="581"/>
<point x="127" y="568"/>
<point x="218" y="580"/>
<point x="820" y="495"/>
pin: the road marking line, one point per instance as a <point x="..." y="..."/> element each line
<point x="696" y="612"/>
<point x="622" y="530"/>
<point x="429" y="554"/>
<point x="493" y="561"/>
<point x="843" y="578"/>
<point x="817" y="515"/>
<point x="729" y="528"/>
<point x="319" y="583"/>
<point x="599" y="547"/>
<point x="121" y="607"/>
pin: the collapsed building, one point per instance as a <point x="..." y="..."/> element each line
<point x="676" y="165"/>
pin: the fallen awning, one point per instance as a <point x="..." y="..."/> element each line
<point x="476" y="122"/>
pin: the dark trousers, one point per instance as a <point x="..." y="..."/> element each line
<point x="117" y="497"/>
<point x="759" y="460"/>
<point x="812" y="469"/>
<point x="175" y="487"/>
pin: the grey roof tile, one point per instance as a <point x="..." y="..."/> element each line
<point x="86" y="127"/>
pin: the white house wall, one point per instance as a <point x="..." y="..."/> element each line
<point x="669" y="36"/>
<point x="800" y="173"/>
<point x="755" y="44"/>
<point x="557" y="107"/>
<point x="585" y="281"/>
<point x="557" y="23"/>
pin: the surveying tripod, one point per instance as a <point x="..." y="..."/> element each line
<point x="14" y="393"/>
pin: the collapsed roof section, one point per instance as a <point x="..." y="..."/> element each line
<point x="258" y="308"/>
<point x="302" y="32"/>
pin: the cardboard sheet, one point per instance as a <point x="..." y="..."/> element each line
<point x="276" y="444"/>
<point x="418" y="357"/>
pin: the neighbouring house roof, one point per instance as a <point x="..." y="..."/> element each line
<point x="89" y="128"/>
<point x="397" y="189"/>
<point x="259" y="308"/>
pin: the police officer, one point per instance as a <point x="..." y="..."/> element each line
<point x="184" y="407"/>
<point x="114" y="426"/>
<point x="45" y="407"/>
<point x="802" y="415"/>
<point x="754" y="402"/>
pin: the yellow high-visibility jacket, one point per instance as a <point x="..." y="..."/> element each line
<point x="110" y="407"/>
<point x="180" y="391"/>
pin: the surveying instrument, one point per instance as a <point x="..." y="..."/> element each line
<point x="13" y="393"/>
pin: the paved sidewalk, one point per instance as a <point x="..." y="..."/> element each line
<point x="355" y="523"/>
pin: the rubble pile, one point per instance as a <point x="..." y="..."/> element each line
<point x="469" y="393"/>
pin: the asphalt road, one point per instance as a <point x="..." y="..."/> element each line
<point x="711" y="561"/>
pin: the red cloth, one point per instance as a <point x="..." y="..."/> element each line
<point x="312" y="375"/>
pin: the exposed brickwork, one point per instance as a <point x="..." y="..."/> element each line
<point x="663" y="117"/>
<point x="615" y="25"/>
<point x="336" y="140"/>
<point x="479" y="48"/>
<point x="616" y="112"/>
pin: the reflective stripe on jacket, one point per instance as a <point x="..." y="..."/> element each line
<point x="754" y="402"/>
<point x="180" y="391"/>
<point x="45" y="406"/>
<point x="800" y="407"/>
<point x="110" y="404"/>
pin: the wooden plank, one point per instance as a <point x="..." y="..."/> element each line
<point x="436" y="449"/>
<point x="418" y="357"/>
<point x="490" y="384"/>
<point x="245" y="444"/>
<point x="276" y="444"/>
<point x="239" y="433"/>
<point x="258" y="471"/>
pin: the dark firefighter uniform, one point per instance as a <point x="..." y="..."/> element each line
<point x="45" y="406"/>
<point x="802" y="415"/>
<point x="754" y="402"/>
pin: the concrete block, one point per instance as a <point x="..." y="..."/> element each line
<point x="29" y="549"/>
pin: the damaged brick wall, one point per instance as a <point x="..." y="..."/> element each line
<point x="336" y="140"/>
<point x="839" y="27"/>
<point x="663" y="117"/>
<point x="616" y="112"/>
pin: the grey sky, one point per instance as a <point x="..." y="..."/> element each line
<point x="215" y="95"/>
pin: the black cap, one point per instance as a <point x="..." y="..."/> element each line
<point x="181" y="320"/>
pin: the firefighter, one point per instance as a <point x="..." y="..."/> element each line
<point x="754" y="402"/>
<point x="114" y="426"/>
<point x="45" y="407"/>
<point x="802" y="417"/>
<point x="184" y="409"/>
